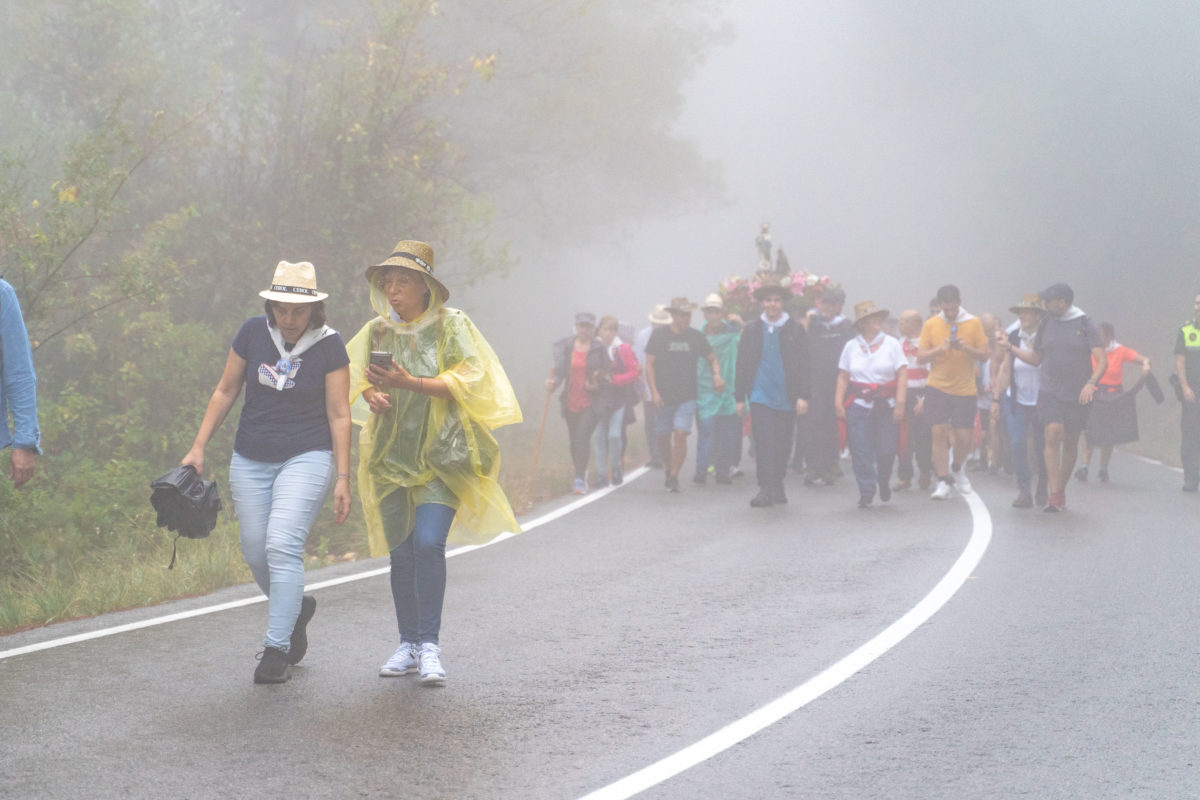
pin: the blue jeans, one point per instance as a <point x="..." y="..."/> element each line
<point x="718" y="440"/>
<point x="276" y="505"/>
<point x="1021" y="420"/>
<point x="608" y="442"/>
<point x="872" y="436"/>
<point x="419" y="568"/>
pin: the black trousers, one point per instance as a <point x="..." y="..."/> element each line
<point x="1189" y="446"/>
<point x="772" y="431"/>
<point x="824" y="441"/>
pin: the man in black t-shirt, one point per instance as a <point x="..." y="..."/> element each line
<point x="1068" y="348"/>
<point x="672" y="356"/>
<point x="1187" y="368"/>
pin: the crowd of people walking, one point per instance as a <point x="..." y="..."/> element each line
<point x="930" y="398"/>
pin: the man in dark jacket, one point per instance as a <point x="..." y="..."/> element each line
<point x="828" y="332"/>
<point x="773" y="376"/>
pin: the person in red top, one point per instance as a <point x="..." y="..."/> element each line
<point x="614" y="394"/>
<point x="576" y="359"/>
<point x="1111" y="382"/>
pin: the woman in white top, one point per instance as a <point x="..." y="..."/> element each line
<point x="1015" y="391"/>
<point x="872" y="382"/>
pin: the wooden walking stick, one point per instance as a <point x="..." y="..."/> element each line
<point x="537" y="448"/>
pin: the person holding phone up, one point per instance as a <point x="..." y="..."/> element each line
<point x="951" y="342"/>
<point x="427" y="390"/>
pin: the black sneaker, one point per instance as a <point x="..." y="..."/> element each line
<point x="864" y="502"/>
<point x="1024" y="500"/>
<point x="272" y="666"/>
<point x="299" y="643"/>
<point x="618" y="477"/>
<point x="1081" y="474"/>
<point x="672" y="484"/>
<point x="885" y="492"/>
<point x="762" y="499"/>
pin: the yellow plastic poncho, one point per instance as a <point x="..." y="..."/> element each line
<point x="434" y="450"/>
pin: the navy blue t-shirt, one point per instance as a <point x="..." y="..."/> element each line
<point x="279" y="424"/>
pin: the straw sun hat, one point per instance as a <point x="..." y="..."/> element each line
<point x="867" y="309"/>
<point x="294" y="283"/>
<point x="413" y="255"/>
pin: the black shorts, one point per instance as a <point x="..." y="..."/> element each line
<point x="941" y="408"/>
<point x="1071" y="415"/>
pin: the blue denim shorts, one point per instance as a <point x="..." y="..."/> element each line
<point x="675" y="418"/>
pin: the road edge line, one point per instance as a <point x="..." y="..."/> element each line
<point x="550" y="516"/>
<point x="822" y="682"/>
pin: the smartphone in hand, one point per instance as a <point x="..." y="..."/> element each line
<point x="381" y="359"/>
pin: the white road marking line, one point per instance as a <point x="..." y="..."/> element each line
<point x="358" y="576"/>
<point x="723" y="739"/>
<point x="1158" y="463"/>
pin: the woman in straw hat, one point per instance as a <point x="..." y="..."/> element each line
<point x="871" y="387"/>
<point x="427" y="389"/>
<point x="293" y="436"/>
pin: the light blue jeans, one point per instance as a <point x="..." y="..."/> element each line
<point x="276" y="505"/>
<point x="608" y="442"/>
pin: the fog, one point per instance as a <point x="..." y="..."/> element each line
<point x="896" y="147"/>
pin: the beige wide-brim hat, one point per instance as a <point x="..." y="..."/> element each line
<point x="1030" y="301"/>
<point x="294" y="283"/>
<point x="409" y="254"/>
<point x="867" y="309"/>
<point x="681" y="305"/>
<point x="659" y="316"/>
<point x="713" y="301"/>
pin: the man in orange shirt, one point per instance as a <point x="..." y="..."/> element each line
<point x="951" y="342"/>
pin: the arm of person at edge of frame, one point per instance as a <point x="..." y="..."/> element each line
<point x="337" y="411"/>
<point x="223" y="397"/>
<point x="1100" y="359"/>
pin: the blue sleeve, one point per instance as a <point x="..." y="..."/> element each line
<point x="18" y="382"/>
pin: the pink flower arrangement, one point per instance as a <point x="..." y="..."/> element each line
<point x="806" y="288"/>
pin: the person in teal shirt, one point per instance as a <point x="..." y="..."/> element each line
<point x="719" y="439"/>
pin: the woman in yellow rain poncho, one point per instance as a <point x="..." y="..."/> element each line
<point x="428" y="464"/>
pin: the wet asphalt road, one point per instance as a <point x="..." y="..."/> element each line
<point x="603" y="641"/>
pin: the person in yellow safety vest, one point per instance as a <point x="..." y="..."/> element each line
<point x="1187" y="367"/>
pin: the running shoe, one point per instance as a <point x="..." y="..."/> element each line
<point x="579" y="487"/>
<point x="432" y="673"/>
<point x="299" y="641"/>
<point x="402" y="662"/>
<point x="961" y="481"/>
<point x="942" y="492"/>
<point x="272" y="667"/>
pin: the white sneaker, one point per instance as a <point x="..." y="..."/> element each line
<point x="402" y="662"/>
<point x="961" y="481"/>
<point x="942" y="492"/>
<point x="432" y="673"/>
